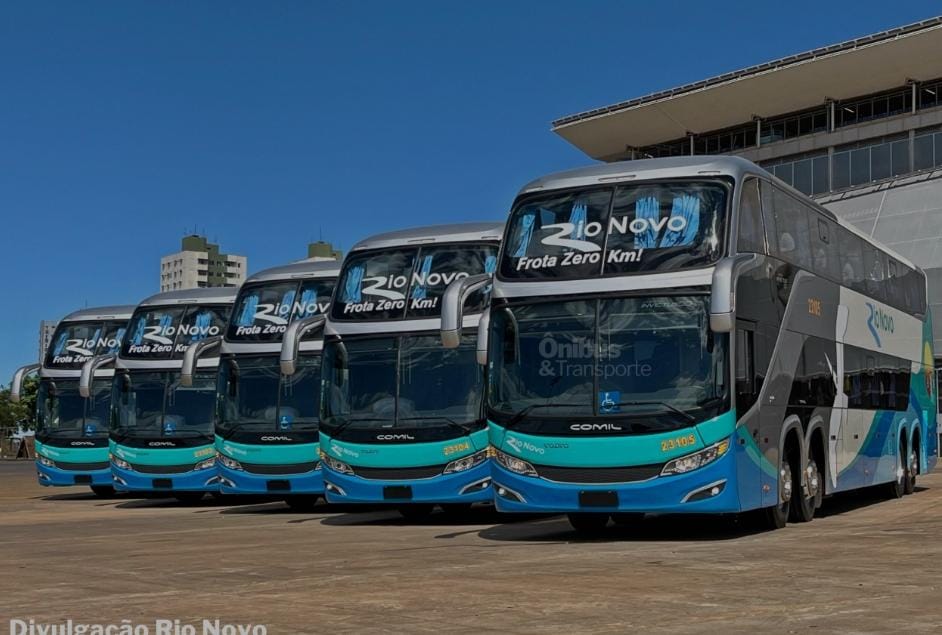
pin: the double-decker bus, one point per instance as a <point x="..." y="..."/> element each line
<point x="161" y="431"/>
<point x="401" y="417"/>
<point x="266" y="423"/>
<point x="72" y="429"/>
<point x="693" y="335"/>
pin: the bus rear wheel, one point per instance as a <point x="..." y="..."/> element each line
<point x="897" y="487"/>
<point x="103" y="490"/>
<point x="590" y="523"/>
<point x="912" y="467"/>
<point x="776" y="517"/>
<point x="806" y="497"/>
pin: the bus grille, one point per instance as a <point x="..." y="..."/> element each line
<point x="82" y="467"/>
<point x="284" y="468"/>
<point x="398" y="473"/>
<point x="598" y="474"/>
<point x="162" y="469"/>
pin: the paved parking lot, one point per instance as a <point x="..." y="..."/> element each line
<point x="866" y="566"/>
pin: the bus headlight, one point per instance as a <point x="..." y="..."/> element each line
<point x="515" y="465"/>
<point x="466" y="462"/>
<point x="124" y="465"/>
<point x="696" y="460"/>
<point x="230" y="463"/>
<point x="44" y="461"/>
<point x="335" y="465"/>
<point x="206" y="464"/>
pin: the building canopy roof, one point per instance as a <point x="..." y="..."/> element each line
<point x="840" y="71"/>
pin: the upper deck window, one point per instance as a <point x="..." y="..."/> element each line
<point x="264" y="310"/>
<point x="74" y="343"/>
<point x="638" y="228"/>
<point x="408" y="283"/>
<point x="166" y="332"/>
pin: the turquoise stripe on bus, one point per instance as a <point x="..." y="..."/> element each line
<point x="269" y="453"/>
<point x="163" y="456"/>
<point x="613" y="451"/>
<point x="404" y="454"/>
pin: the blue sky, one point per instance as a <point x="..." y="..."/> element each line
<point x="269" y="124"/>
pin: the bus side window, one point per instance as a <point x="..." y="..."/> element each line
<point x="746" y="388"/>
<point x="824" y="247"/>
<point x="791" y="225"/>
<point x="751" y="232"/>
<point x="851" y="248"/>
<point x="768" y="217"/>
<point x="875" y="267"/>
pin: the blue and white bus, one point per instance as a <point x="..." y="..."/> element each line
<point x="72" y="429"/>
<point x="161" y="430"/>
<point x="401" y="417"/>
<point x="266" y="423"/>
<point x="691" y="335"/>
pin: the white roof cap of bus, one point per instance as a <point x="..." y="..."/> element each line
<point x="111" y="312"/>
<point x="299" y="269"/>
<point x="207" y="295"/>
<point x="680" y="167"/>
<point x="430" y="234"/>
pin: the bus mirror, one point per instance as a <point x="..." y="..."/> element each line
<point x="453" y="301"/>
<point x="292" y="341"/>
<point x="192" y="355"/>
<point x="484" y="328"/>
<point x="723" y="292"/>
<point x="16" y="388"/>
<point x="88" y="373"/>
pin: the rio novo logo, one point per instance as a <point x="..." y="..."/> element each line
<point x="391" y="291"/>
<point x="879" y="322"/>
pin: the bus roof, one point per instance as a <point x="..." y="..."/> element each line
<point x="110" y="312"/>
<point x="208" y="295"/>
<point x="430" y="234"/>
<point x="300" y="269"/>
<point x="679" y="167"/>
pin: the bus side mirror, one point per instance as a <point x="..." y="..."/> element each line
<point x="88" y="373"/>
<point x="292" y="341"/>
<point x="484" y="328"/>
<point x="723" y="292"/>
<point x="16" y="388"/>
<point x="192" y="355"/>
<point x="453" y="301"/>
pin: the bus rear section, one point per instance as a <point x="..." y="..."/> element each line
<point x="402" y="420"/>
<point x="267" y="422"/>
<point x="161" y="432"/>
<point x="72" y="429"/>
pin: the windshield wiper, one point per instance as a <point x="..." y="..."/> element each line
<point x="343" y="426"/>
<point x="686" y="415"/>
<point x="464" y="428"/>
<point x="518" y="417"/>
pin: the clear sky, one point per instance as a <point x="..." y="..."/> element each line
<point x="124" y="125"/>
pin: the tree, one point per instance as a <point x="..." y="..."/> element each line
<point x="23" y="413"/>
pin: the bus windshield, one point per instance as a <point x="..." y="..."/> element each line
<point x="637" y="228"/>
<point x="63" y="412"/>
<point x="74" y="343"/>
<point x="407" y="382"/>
<point x="254" y="395"/>
<point x="263" y="311"/>
<point x="148" y="403"/>
<point x="166" y="332"/>
<point x="650" y="363"/>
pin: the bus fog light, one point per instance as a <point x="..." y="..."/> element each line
<point x="466" y="462"/>
<point x="120" y="463"/>
<point x="335" y="465"/>
<point x="207" y="464"/>
<point x="229" y="463"/>
<point x="44" y="461"/>
<point x="696" y="460"/>
<point x="515" y="465"/>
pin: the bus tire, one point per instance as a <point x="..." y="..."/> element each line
<point x="419" y="511"/>
<point x="302" y="503"/>
<point x="897" y="487"/>
<point x="806" y="497"/>
<point x="912" y="466"/>
<point x="103" y="490"/>
<point x="776" y="516"/>
<point x="588" y="522"/>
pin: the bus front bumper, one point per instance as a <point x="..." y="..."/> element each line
<point x="241" y="482"/>
<point x="205" y="480"/>
<point x="708" y="490"/>
<point x="470" y="486"/>
<point x="57" y="477"/>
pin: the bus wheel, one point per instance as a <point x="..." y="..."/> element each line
<point x="415" y="512"/>
<point x="777" y="515"/>
<point x="301" y="503"/>
<point x="897" y="487"/>
<point x="189" y="498"/>
<point x="912" y="467"/>
<point x="807" y="496"/>
<point x="588" y="522"/>
<point x="103" y="490"/>
<point x="628" y="519"/>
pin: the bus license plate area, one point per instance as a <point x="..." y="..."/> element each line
<point x="279" y="486"/>
<point x="83" y="479"/>
<point x="162" y="483"/>
<point x="598" y="498"/>
<point x="397" y="492"/>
